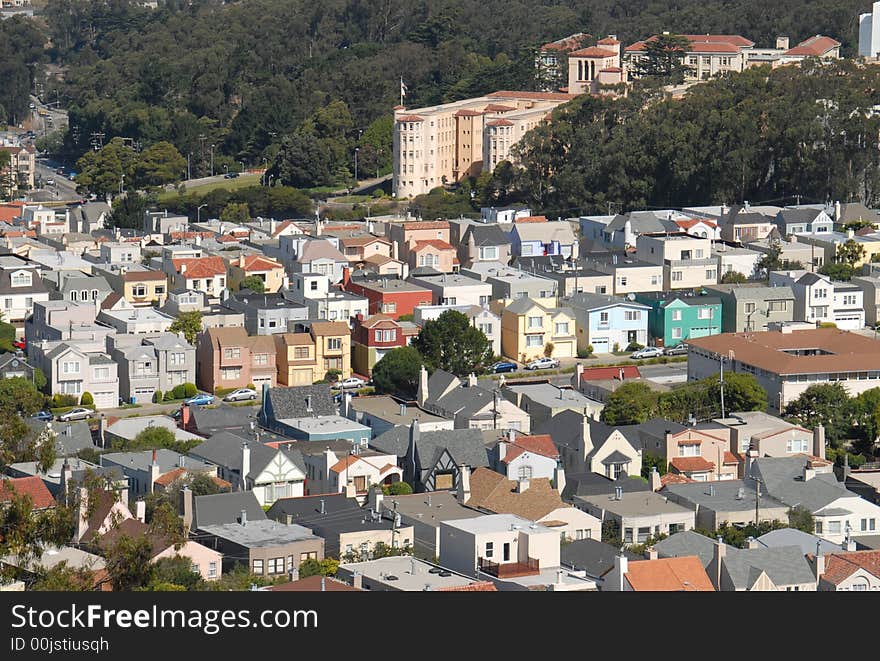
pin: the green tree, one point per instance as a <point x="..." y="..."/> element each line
<point x="850" y="252"/>
<point x="398" y="372"/>
<point x="303" y="161"/>
<point x="235" y="212"/>
<point x="800" y="518"/>
<point x="837" y="270"/>
<point x="733" y="278"/>
<point x="127" y="211"/>
<point x="452" y="344"/>
<point x="158" y="164"/>
<point x="742" y="392"/>
<point x="649" y="461"/>
<point x="19" y="399"/>
<point x="128" y="563"/>
<point x="611" y="532"/>
<point x="105" y="171"/>
<point x="175" y="571"/>
<point x="397" y="489"/>
<point x="632" y="403"/>
<point x="86" y="399"/>
<point x="254" y="283"/>
<point x="827" y="404"/>
<point x="664" y="57"/>
<point x="188" y="323"/>
<point x="62" y="578"/>
<point x="325" y="567"/>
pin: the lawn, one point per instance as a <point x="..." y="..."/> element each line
<point x="242" y="181"/>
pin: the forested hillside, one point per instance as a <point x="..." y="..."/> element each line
<point x="242" y="76"/>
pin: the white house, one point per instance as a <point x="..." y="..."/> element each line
<point x="818" y="299"/>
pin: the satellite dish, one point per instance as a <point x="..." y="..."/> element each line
<point x="630" y="297"/>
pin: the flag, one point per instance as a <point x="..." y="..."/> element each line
<point x="402" y="88"/>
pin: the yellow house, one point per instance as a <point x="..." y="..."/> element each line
<point x="142" y="288"/>
<point x="527" y="329"/>
<point x="266" y="269"/>
<point x="303" y="358"/>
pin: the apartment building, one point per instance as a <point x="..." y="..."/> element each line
<point x="20" y="286"/>
<point x="687" y="261"/>
<point x="818" y="299"/>
<point x="303" y="358"/>
<point x="229" y="358"/>
<point x="709" y="54"/>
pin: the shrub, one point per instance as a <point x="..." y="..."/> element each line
<point x="190" y="390"/>
<point x="586" y="353"/>
<point x="169" y="396"/>
<point x="61" y="401"/>
<point x="179" y="391"/>
<point x="251" y="386"/>
<point x="634" y="346"/>
<point x="222" y="392"/>
<point x="827" y="324"/>
<point x="616" y="347"/>
<point x="157" y="396"/>
<point x="332" y="375"/>
<point x="397" y="489"/>
<point x="548" y="349"/>
<point x="87" y="399"/>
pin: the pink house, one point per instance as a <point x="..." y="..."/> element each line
<point x="230" y="358"/>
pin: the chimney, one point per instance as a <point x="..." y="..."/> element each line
<point x="464" y="485"/>
<point x="140" y="510"/>
<point x="819" y="565"/>
<point x="422" y="393"/>
<point x="154" y="472"/>
<point x="321" y="502"/>
<point x="819" y="441"/>
<point x="837" y="211"/>
<point x="182" y="269"/>
<point x="850" y="234"/>
<point x="318" y="227"/>
<point x="357" y="580"/>
<point x="849" y="544"/>
<point x="586" y="438"/>
<point x="288" y="519"/>
<point x="579" y="374"/>
<point x="346" y="404"/>
<point x="782" y="43"/>
<point x="346" y="276"/>
<point x="502" y="450"/>
<point x="350" y="491"/>
<point x="375" y="498"/>
<point x="752" y="543"/>
<point x="618" y="493"/>
<point x="720" y="552"/>
<point x="621" y="567"/>
<point x="184" y="416"/>
<point x="522" y="485"/>
<point x="82" y="521"/>
<point x="654" y="479"/>
<point x="242" y="519"/>
<point x="66" y="476"/>
<point x="650" y="553"/>
<point x="809" y="473"/>
<point x="245" y="465"/>
<point x="559" y="478"/>
<point x="186" y="507"/>
<point x="472" y="380"/>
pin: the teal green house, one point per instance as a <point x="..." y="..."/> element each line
<point x="678" y="316"/>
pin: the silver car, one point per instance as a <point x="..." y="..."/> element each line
<point x="240" y="395"/>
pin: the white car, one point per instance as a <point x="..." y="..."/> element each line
<point x="240" y="394"/>
<point x="647" y="352"/>
<point x="542" y="364"/>
<point x="352" y="382"/>
<point x="76" y="414"/>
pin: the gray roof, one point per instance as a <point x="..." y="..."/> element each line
<point x="687" y="543"/>
<point x="223" y="417"/>
<point x="167" y="460"/>
<point x="70" y="437"/>
<point x="36" y="287"/>
<point x="642" y="222"/>
<point x="810" y="279"/>
<point x="309" y="507"/>
<point x="754" y="293"/>
<point x="795" y="537"/>
<point x="593" y="484"/>
<point x="486" y="235"/>
<point x="224" y="449"/>
<point x="522" y="305"/>
<point x="783" y="480"/>
<point x="464" y="445"/>
<point x="737" y="217"/>
<point x="784" y="565"/>
<point x="587" y="301"/>
<point x="221" y="508"/>
<point x="591" y="555"/>
<point x="616" y="457"/>
<point x="263" y="533"/>
<point x="565" y="428"/>
<point x="788" y="216"/>
<point x="725" y="498"/>
<point x="291" y="402"/>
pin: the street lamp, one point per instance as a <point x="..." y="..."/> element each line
<point x="199" y="212"/>
<point x="242" y="166"/>
<point x="356" y="150"/>
<point x="212" y="160"/>
<point x="226" y="168"/>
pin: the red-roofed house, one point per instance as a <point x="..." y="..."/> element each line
<point x="433" y="253"/>
<point x="852" y="571"/>
<point x="9" y="211"/>
<point x="204" y="274"/>
<point x="594" y="68"/>
<point x="681" y="574"/>
<point x="334" y="470"/>
<point x="817" y="46"/>
<point x="404" y="236"/>
<point x="599" y="382"/>
<point x="32" y="487"/>
<point x="699" y="227"/>
<point x="374" y="337"/>
<point x="709" y="54"/>
<point x="525" y="457"/>
<point x="699" y="454"/>
<point x="268" y="270"/>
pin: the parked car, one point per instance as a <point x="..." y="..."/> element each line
<point x="50" y="181"/>
<point x="200" y="400"/>
<point x="542" y="364"/>
<point x="230" y="175"/>
<point x="503" y="366"/>
<point x="19" y="344"/>
<point x="43" y="415"/>
<point x="351" y="382"/>
<point x="679" y="349"/>
<point x="78" y="413"/>
<point x="647" y="352"/>
<point x="240" y="394"/>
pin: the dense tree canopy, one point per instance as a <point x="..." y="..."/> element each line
<point x="450" y="342"/>
<point x="398" y="372"/>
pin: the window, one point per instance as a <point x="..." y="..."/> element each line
<point x="389" y="307"/>
<point x="622" y="281"/>
<point x="776" y="306"/>
<point x="257" y="567"/>
<point x="232" y="353"/>
<point x="310" y="555"/>
<point x="71" y="367"/>
<point x="334" y="344"/>
<point x="704" y="313"/>
<point x="603" y="317"/>
<point x="676" y="276"/>
<point x="300" y="353"/>
<point x="676" y="332"/>
<point x="102" y="373"/>
<point x="276" y="565"/>
<point x="139" y="291"/>
<point x="796" y="445"/>
<point x="655" y="280"/>
<point x="868" y="524"/>
<point x="689" y="450"/>
<point x="711" y="274"/>
<point x="212" y="570"/>
<point x="534" y="340"/>
<point x="261" y="359"/>
<point x="628" y="536"/>
<point x="313" y="285"/>
<point x="536" y="322"/>
<point x="849" y="299"/>
<point x="676" y="315"/>
<point x="21" y="279"/>
<point x="72" y="298"/>
<point x="834" y="527"/>
<point x="289" y="562"/>
<point x="177" y="358"/>
<point x="230" y="373"/>
<point x="29" y="302"/>
<point x="490" y="549"/>
<point x="484" y="300"/>
<point x="820" y="293"/>
<point x="449" y="300"/>
<point x="525" y="473"/>
<point x="489" y="252"/>
<point x="159" y="289"/>
<point x="562" y="328"/>
<point x="749" y="308"/>
<point x="486" y="329"/>
<point x="71" y="387"/>
<point x="632" y="315"/>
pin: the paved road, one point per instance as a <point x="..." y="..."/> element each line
<point x="166" y="409"/>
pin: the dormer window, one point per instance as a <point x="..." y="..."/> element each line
<point x="21" y="279"/>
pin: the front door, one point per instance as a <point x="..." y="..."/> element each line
<point x="506" y="552"/>
<point x="632" y="336"/>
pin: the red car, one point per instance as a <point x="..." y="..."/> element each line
<point x="19" y="344"/>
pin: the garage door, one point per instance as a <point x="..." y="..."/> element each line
<point x="600" y="345"/>
<point x="106" y="400"/>
<point x="302" y="377"/>
<point x="564" y="350"/>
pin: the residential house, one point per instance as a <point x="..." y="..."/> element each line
<point x="267" y="314"/>
<point x="528" y="330"/>
<point x="307" y="413"/>
<point x="348" y="531"/>
<point x="382" y="412"/>
<point x="510" y="284"/>
<point x="753" y="307"/>
<point x="870" y="286"/>
<point x="570" y="279"/>
<point x="592" y="558"/>
<point x="20" y="170"/>
<point x="205" y="274"/>
<point x="544" y="400"/>
<point x="145" y="468"/>
<point x="15" y="365"/>
<point x="684" y="574"/>
<point x="337" y="467"/>
<point x="434" y="460"/>
<point x="31" y="487"/>
<point x="482" y="318"/>
<point x="533" y="499"/>
<point x="148" y="364"/>
<point x="269" y="271"/>
<point x="320" y="256"/>
<point x="116" y="312"/>
<point x="700" y="454"/>
<point x="357" y="249"/>
<point x="786" y="362"/>
<point x="596" y="383"/>
<point x="848" y="571"/>
<point x="675" y="318"/>
<point x="71" y="370"/>
<point x="405" y="574"/>
<point x="512" y="552"/>
<point x="230" y="358"/>
<point x="303" y="358"/>
<point x="455" y="289"/>
<point x="687" y="261"/>
<point x="374" y="337"/>
<point x="140" y="286"/>
<point x="483" y="243"/>
<point x="522" y="457"/>
<point x="729" y="501"/>
<point x="733" y="258"/>
<point x="390" y="296"/>
<point x="161" y="222"/>
<point x="809" y="220"/>
<point x="586" y="445"/>
<point x="639" y="516"/>
<point x="699" y="227"/>
<point x="608" y="323"/>
<point x="20" y="286"/>
<point x="219" y="508"/>
<point x="818" y="299"/>
<point x="629" y="274"/>
<point x="827" y="243"/>
<point x="471" y="404"/>
<point x="543" y="238"/>
<point x="75" y="286"/>
<point x="620" y="231"/>
<point x="404" y="236"/>
<point x="745" y="224"/>
<point x="270" y="473"/>
<point x="432" y="254"/>
<point x="64" y="556"/>
<point x="324" y="301"/>
<point x="768" y="436"/>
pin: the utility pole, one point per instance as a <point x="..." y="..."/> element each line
<point x="722" y="386"/>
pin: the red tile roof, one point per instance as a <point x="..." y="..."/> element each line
<point x="499" y="122"/>
<point x="260" y="263"/>
<point x="344" y="463"/>
<point x="687" y="223"/>
<point x="605" y="373"/>
<point x="33" y="487"/>
<point x="608" y="41"/>
<point x="593" y="52"/>
<point x="611" y="70"/>
<point x="537" y="96"/>
<point x="426" y="225"/>
<point x="691" y="464"/>
<point x="226" y="238"/>
<point x="530" y="219"/>
<point x="567" y="43"/>
<point x="840" y="566"/>
<point x="704" y="43"/>
<point x="814" y="46"/>
<point x="465" y="112"/>
<point x="434" y="243"/>
<point x="674" y="478"/>
<point x="497" y="107"/>
<point x="682" y="574"/>
<point x="410" y="118"/>
<point x="541" y="444"/>
<point x="200" y="267"/>
<point x="730" y="458"/>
